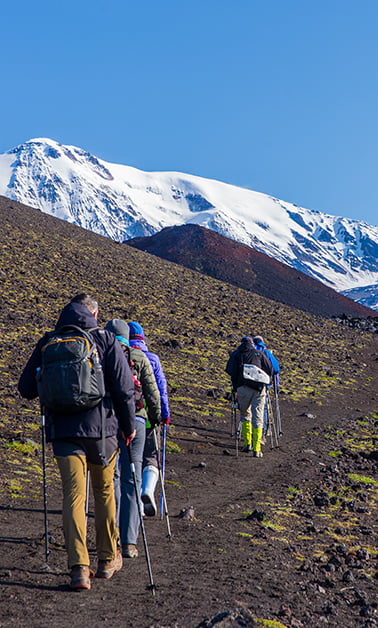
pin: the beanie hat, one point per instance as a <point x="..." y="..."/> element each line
<point x="136" y="330"/>
<point x="120" y="328"/>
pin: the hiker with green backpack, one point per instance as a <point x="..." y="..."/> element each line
<point x="87" y="395"/>
<point x="250" y="372"/>
<point x="147" y="406"/>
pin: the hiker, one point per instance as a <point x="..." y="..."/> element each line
<point x="260" y="345"/>
<point x="150" y="473"/>
<point x="250" y="386"/>
<point x="80" y="444"/>
<point x="145" y="383"/>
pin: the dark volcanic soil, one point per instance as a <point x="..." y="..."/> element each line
<point x="310" y="561"/>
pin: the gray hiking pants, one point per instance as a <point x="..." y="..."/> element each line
<point x="251" y="405"/>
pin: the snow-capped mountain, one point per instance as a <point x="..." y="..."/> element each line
<point x="122" y="202"/>
<point x="366" y="295"/>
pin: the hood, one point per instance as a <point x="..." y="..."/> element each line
<point x="138" y="343"/>
<point x="247" y="344"/>
<point x="76" y="314"/>
<point x="260" y="346"/>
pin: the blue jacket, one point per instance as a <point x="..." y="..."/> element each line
<point x="159" y="375"/>
<point x="273" y="360"/>
<point x="118" y="404"/>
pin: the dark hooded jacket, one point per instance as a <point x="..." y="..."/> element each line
<point x="247" y="353"/>
<point x="119" y="400"/>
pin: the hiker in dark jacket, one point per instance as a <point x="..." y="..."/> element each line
<point x="78" y="445"/>
<point x="250" y="394"/>
<point x="150" y="474"/>
<point x="127" y="507"/>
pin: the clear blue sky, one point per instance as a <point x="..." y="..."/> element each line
<point x="280" y="96"/>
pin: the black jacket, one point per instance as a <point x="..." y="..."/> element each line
<point x="118" y="403"/>
<point x="247" y="353"/>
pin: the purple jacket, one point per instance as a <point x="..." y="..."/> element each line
<point x="119" y="402"/>
<point x="159" y="376"/>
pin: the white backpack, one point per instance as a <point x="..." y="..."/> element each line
<point x="255" y="374"/>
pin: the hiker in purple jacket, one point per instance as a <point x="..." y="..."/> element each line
<point x="150" y="474"/>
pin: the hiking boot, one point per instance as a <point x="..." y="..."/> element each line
<point x="80" y="577"/>
<point x="257" y="454"/>
<point x="247" y="449"/>
<point x="150" y="477"/>
<point x="129" y="551"/>
<point x="106" y="568"/>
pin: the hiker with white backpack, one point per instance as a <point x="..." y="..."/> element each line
<point x="250" y="372"/>
<point x="87" y="403"/>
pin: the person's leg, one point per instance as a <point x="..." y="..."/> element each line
<point x="257" y="406"/>
<point x="129" y="516"/>
<point x="150" y="473"/>
<point x="105" y="511"/>
<point x="244" y="402"/>
<point x="73" y="471"/>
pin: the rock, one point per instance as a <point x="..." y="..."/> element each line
<point x="173" y="343"/>
<point x="187" y="513"/>
<point x="321" y="500"/>
<point x="229" y="619"/>
<point x="257" y="515"/>
<point x="348" y="576"/>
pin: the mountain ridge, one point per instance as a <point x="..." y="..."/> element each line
<point x="122" y="202"/>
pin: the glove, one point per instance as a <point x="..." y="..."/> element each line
<point x="154" y="422"/>
<point x="166" y="421"/>
<point x="129" y="438"/>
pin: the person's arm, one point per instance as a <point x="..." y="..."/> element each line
<point x="27" y="385"/>
<point x="266" y="365"/>
<point x="162" y="386"/>
<point x="150" y="391"/>
<point x="231" y="369"/>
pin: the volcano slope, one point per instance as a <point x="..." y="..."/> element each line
<point x="286" y="540"/>
<point x="205" y="250"/>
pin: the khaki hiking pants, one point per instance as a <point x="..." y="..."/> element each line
<point x="251" y="405"/>
<point x="73" y="471"/>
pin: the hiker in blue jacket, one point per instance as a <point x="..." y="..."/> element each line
<point x="260" y="345"/>
<point x="78" y="445"/>
<point x="150" y="473"/>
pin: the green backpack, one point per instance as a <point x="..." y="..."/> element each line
<point x="70" y="378"/>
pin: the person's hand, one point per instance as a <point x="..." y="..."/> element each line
<point x="166" y="421"/>
<point x="129" y="438"/>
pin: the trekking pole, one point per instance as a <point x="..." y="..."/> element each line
<point x="163" y="450"/>
<point x="278" y="413"/>
<point x="152" y="586"/>
<point x="233" y="413"/>
<point x="272" y="423"/>
<point x="43" y="428"/>
<point x="161" y="478"/>
<point x="87" y="496"/>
